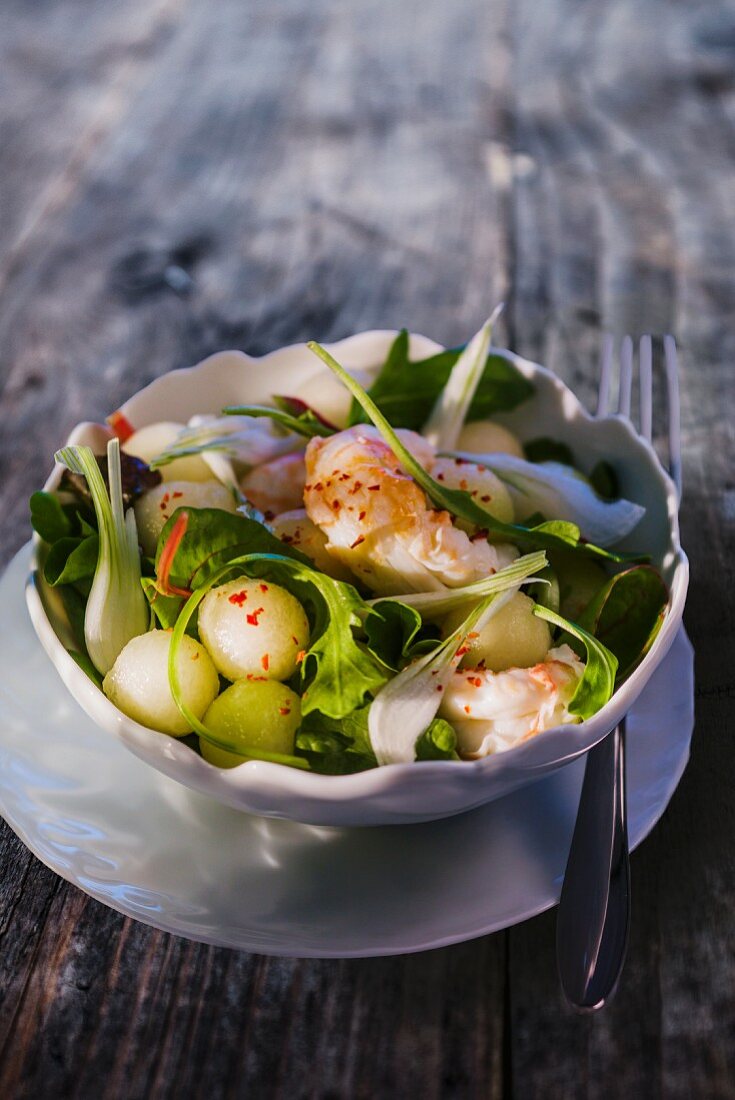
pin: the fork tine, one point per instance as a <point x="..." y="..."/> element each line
<point x="672" y="389"/>
<point x="626" y="376"/>
<point x="606" y="359"/>
<point x="645" y="367"/>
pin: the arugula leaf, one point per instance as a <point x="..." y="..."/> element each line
<point x="597" y="684"/>
<point x="71" y="560"/>
<point x="336" y="746"/>
<point x="213" y="537"/>
<point x="48" y="517"/>
<point x="437" y="742"/>
<point x="556" y="534"/>
<point x="627" y="614"/>
<point x="391" y="628"/>
<point x="406" y="392"/>
<point x="305" y="423"/>
<point x="544" y="449"/>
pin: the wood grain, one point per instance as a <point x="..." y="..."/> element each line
<point x="180" y="177"/>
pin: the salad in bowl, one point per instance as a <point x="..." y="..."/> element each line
<point x="328" y="595"/>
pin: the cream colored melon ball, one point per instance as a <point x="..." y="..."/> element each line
<point x="252" y="714"/>
<point x="513" y="638"/>
<point x="155" y="507"/>
<point x="253" y="628"/>
<point x="138" y="683"/>
<point x="483" y="437"/>
<point x="149" y="442"/>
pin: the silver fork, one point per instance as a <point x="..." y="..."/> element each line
<point x="594" y="910"/>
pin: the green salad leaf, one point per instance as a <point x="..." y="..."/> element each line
<point x="437" y="742"/>
<point x="212" y="537"/>
<point x="556" y="534"/>
<point x="48" y="518"/>
<point x="627" y="614"/>
<point x="406" y="391"/>
<point x="391" y="628"/>
<point x="71" y="560"/>
<point x="597" y="684"/>
<point x="336" y="746"/>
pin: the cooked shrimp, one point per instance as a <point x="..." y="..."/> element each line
<point x="296" y="529"/>
<point x="379" y="522"/>
<point x="492" y="711"/>
<point x="276" y="486"/>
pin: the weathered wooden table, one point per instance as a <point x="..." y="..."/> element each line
<point x="180" y="176"/>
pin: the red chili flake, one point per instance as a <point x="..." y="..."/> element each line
<point x="463" y="483"/>
<point x="475" y="681"/>
<point x="440" y="477"/>
<point x="462" y="650"/>
<point x="121" y="426"/>
<point x="481" y="665"/>
<point x="269" y="515"/>
<point x="195" y="656"/>
<point x="467" y="710"/>
<point x="473" y="634"/>
<point x="294" y="639"/>
<point x="175" y="495"/>
<point x="263" y="587"/>
<point x="486" y="498"/>
<point x="358" y="540"/>
<point x="238" y="598"/>
<point x="307" y="488"/>
<point x="300" y="656"/>
<point x="164" y="501"/>
<point x="287" y="539"/>
<point x="260" y="679"/>
<point x="461" y="462"/>
<point x="318" y="487"/>
<point x="344" y="477"/>
<point x="439" y="687"/>
<point x="252" y="618"/>
<point x="356" y="488"/>
<point x="265" y="662"/>
<point x="373" y="488"/>
<point x="361" y="516"/>
<point x="336" y="505"/>
<point x="329" y="483"/>
<point x="284" y="710"/>
<point x="335" y="472"/>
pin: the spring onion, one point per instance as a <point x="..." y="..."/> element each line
<point x="116" y="609"/>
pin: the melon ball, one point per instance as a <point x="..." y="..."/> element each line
<point x="485" y="487"/>
<point x="155" y="507"/>
<point x="138" y="684"/>
<point x="253" y="628"/>
<point x="483" y="437"/>
<point x="149" y="442"/>
<point x="296" y="529"/>
<point x="513" y="638"/>
<point x="255" y="714"/>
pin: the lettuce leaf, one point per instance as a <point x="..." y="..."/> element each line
<point x="626" y="615"/>
<point x="597" y="684"/>
<point x="406" y="391"/>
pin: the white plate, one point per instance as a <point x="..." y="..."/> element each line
<point x="398" y="793"/>
<point x="149" y="847"/>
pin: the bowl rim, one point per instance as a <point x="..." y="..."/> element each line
<point x="580" y="737"/>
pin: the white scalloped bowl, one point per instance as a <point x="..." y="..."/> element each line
<point x="398" y="793"/>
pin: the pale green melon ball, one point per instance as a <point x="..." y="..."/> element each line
<point x="254" y="714"/>
<point x="485" y="487"/>
<point x="253" y="628"/>
<point x="149" y="442"/>
<point x="483" y="437"/>
<point x="155" y="507"/>
<point x="138" y="684"/>
<point x="513" y="638"/>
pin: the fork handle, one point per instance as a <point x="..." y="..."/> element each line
<point x="594" y="909"/>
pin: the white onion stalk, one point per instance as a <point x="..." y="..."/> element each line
<point x="450" y="411"/>
<point x="439" y="603"/>
<point x="560" y="492"/>
<point x="408" y="703"/>
<point x="117" y="609"/>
